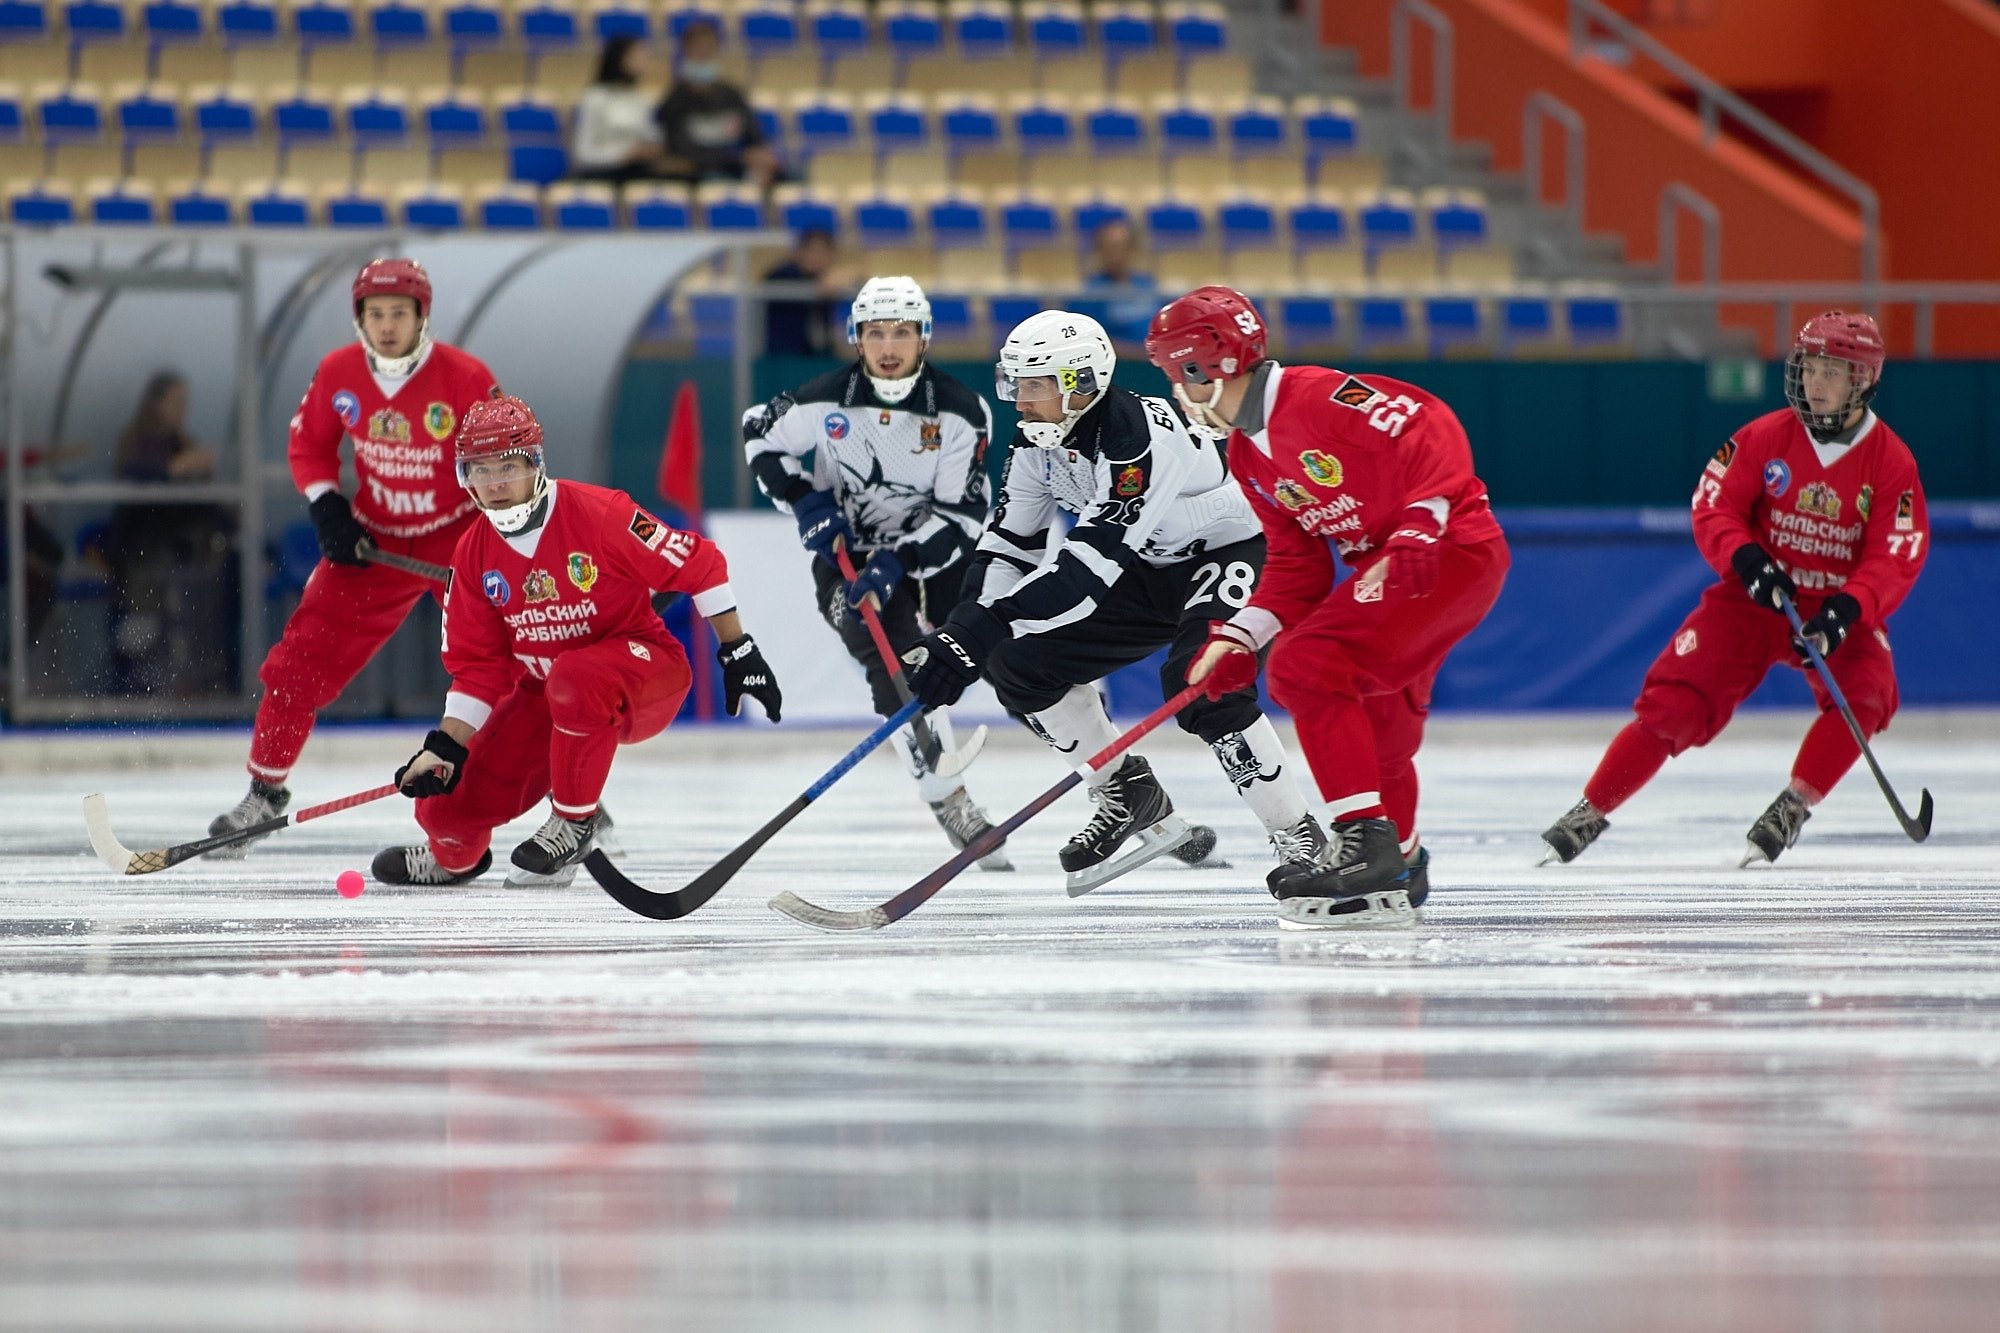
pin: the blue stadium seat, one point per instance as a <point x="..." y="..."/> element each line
<point x="808" y="212"/>
<point x="1594" y="320"/>
<point x="359" y="208"/>
<point x="679" y="18"/>
<point x="472" y="25"/>
<point x="770" y="123"/>
<point x="1196" y="31"/>
<point x="123" y="206"/>
<point x="1381" y="320"/>
<point x="1309" y="321"/>
<point x="1055" y="31"/>
<point x="983" y="31"/>
<point x="1028" y="222"/>
<point x="1318" y="224"/>
<point x="319" y="23"/>
<point x="23" y="21"/>
<point x="1330" y="129"/>
<point x="1526" y="319"/>
<point x="768" y="29"/>
<point x="431" y="209"/>
<point x="225" y="118"/>
<point x="548" y="27"/>
<point x="171" y="22"/>
<point x="1387" y="223"/>
<point x="91" y="21"/>
<point x="1176" y="224"/>
<point x="958" y="223"/>
<point x="13" y="116"/>
<point x="1114" y="128"/>
<point x="1458" y="223"/>
<point x="530" y="118"/>
<point x="1188" y="129"/>
<point x="881" y="222"/>
<point x="658" y="208"/>
<point x="509" y="208"/>
<point x="970" y="126"/>
<point x="1257" y="127"/>
<point x="144" y="116"/>
<point x="453" y="120"/>
<point x="69" y="116"/>
<point x="583" y="208"/>
<point x="823" y="123"/>
<point x="1087" y="215"/>
<point x="839" y="30"/>
<point x="542" y="164"/>
<point x="728" y="207"/>
<point x="913" y="32"/>
<point x="1247" y="224"/>
<point x="621" y="18"/>
<point x="198" y="206"/>
<point x="951" y="317"/>
<point x="398" y="24"/>
<point x="714" y="317"/>
<point x="278" y="206"/>
<point x="30" y="205"/>
<point x="377" y="122"/>
<point x="1044" y="126"/>
<point x="899" y="125"/>
<point x="1453" y="321"/>
<point x="303" y="119"/>
<point x="1124" y="31"/>
<point x="247" y="23"/>
<point x="1005" y="310"/>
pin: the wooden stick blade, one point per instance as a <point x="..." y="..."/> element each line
<point x="826" y="918"/>
<point x="97" y="818"/>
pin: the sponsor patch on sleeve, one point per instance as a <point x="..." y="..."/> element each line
<point x="1353" y="393"/>
<point x="649" y="530"/>
<point x="1723" y="457"/>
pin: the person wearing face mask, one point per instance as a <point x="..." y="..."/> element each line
<point x="616" y="138"/>
<point x="556" y="657"/>
<point x="706" y="122"/>
<point x="1163" y="544"/>
<point x="885" y="458"/>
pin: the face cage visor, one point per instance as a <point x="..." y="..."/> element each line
<point x="1043" y="388"/>
<point x="1860" y="389"/>
<point x="494" y="469"/>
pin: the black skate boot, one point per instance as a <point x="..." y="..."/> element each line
<point x="1299" y="846"/>
<point x="1777" y="828"/>
<point x="416" y="865"/>
<point x="1132" y="804"/>
<point x="1418" y="886"/>
<point x="264" y="801"/>
<point x="1568" y="836"/>
<point x="1359" y="880"/>
<point x="962" y="821"/>
<point x="558" y="844"/>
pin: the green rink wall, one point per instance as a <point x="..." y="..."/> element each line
<point x="1562" y="434"/>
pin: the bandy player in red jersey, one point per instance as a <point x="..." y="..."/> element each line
<point x="1819" y="502"/>
<point x="556" y="657"/>
<point x="1380" y="471"/>
<point x="400" y="397"/>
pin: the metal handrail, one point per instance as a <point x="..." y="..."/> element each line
<point x="1676" y="196"/>
<point x="1712" y="100"/>
<point x="1400" y="59"/>
<point x="1544" y="105"/>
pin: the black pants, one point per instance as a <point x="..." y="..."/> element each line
<point x="1146" y="609"/>
<point x="914" y="608"/>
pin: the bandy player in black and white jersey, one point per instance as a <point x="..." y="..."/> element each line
<point x="885" y="457"/>
<point x="1164" y="543"/>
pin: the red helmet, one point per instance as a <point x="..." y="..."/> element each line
<point x="393" y="277"/>
<point x="1212" y="333"/>
<point x="503" y="425"/>
<point x="1839" y="336"/>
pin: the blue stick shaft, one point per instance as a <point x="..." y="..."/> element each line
<point x="874" y="738"/>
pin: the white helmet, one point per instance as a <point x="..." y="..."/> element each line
<point x="1071" y="351"/>
<point x="899" y="300"/>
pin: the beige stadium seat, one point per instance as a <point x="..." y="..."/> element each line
<point x="564" y="73"/>
<point x="987" y="171"/>
<point x="331" y="66"/>
<point x="1217" y="76"/>
<point x="1081" y="77"/>
<point x="113" y="62"/>
<point x="1146" y="77"/>
<point x="1061" y="172"/>
<point x="275" y="66"/>
<point x="1275" y="173"/>
<point x="1483" y="267"/>
<point x="319" y="165"/>
<point x="242" y="164"/>
<point x="1056" y="266"/>
<point x="1266" y="269"/>
<point x="21" y="161"/>
<point x="973" y="270"/>
<point x="33" y="62"/>
<point x="786" y="74"/>
<point x="501" y="66"/>
<point x="1342" y="268"/>
<point x="861" y="75"/>
<point x="185" y="64"/>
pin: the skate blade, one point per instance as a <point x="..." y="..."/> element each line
<point x="233" y="852"/>
<point x="995" y="861"/>
<point x="518" y="878"/>
<point x="1550" y="857"/>
<point x="1754" y="856"/>
<point x="1384" y="909"/>
<point x="606" y="840"/>
<point x="1154" y="841"/>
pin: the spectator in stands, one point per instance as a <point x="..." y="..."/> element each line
<point x="706" y="121"/>
<point x="798" y="327"/>
<point x="617" y="139"/>
<point x="1129" y="300"/>
<point x="172" y="568"/>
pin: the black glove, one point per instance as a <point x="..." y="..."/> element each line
<point x="1828" y="629"/>
<point x="338" y="530"/>
<point x="1762" y="578"/>
<point x="821" y="524"/>
<point x="433" y="770"/>
<point x="944" y="664"/>
<point x="744" y="671"/>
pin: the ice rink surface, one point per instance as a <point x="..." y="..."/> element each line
<point x="1645" y="1092"/>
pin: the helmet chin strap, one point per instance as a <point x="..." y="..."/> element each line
<point x="1204" y="413"/>
<point x="395" y="367"/>
<point x="894" y="391"/>
<point x="515" y="520"/>
<point x="1051" y="434"/>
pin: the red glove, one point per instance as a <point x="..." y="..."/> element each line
<point x="1412" y="553"/>
<point x="1231" y="658"/>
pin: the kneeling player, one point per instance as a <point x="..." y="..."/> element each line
<point x="1164" y="543"/>
<point x="556" y="657"/>
<point x="1819" y="502"/>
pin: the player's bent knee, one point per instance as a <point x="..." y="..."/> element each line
<point x="1212" y="720"/>
<point x="1301" y="679"/>
<point x="1683" y="718"/>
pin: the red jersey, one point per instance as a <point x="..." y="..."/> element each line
<point x="587" y="574"/>
<point x="402" y="431"/>
<point x="1837" y="518"/>
<point x="1340" y="458"/>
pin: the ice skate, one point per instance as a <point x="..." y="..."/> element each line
<point x="606" y="838"/>
<point x="558" y="845"/>
<point x="416" y="865"/>
<point x="263" y="801"/>
<point x="962" y="821"/>
<point x="1576" y="830"/>
<point x="1301" y="845"/>
<point x="1777" y="828"/>
<point x="1359" y="881"/>
<point x="1418" y="885"/>
<point x="1132" y="804"/>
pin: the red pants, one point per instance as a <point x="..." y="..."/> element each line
<point x="1356" y="677"/>
<point x="556" y="738"/>
<point x="344" y="616"/>
<point x="1717" y="658"/>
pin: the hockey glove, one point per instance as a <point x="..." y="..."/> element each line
<point x="1828" y="629"/>
<point x="878" y="579"/>
<point x="1412" y="553"/>
<point x="821" y="524"/>
<point x="339" y="532"/>
<point x="1226" y="663"/>
<point x="745" y="672"/>
<point x="944" y="664"/>
<point x="1762" y="578"/>
<point x="433" y="770"/>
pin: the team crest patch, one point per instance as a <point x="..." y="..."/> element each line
<point x="885" y="418"/>
<point x="348" y="408"/>
<point x="837" y="425"/>
<point x="582" y="571"/>
<point x="1131" y="480"/>
<point x="639" y="650"/>
<point x="1367" y="590"/>
<point x="389" y="426"/>
<point x="1906" y="512"/>
<point x="1864" y="501"/>
<point x="1777" y="479"/>
<point x="494" y="584"/>
<point x="649" y="530"/>
<point x="539" y="586"/>
<point x="1684" y="643"/>
<point x="930" y="434"/>
<point x="440" y="420"/>
<point x="1292" y="495"/>
<point x="1353" y="393"/>
<point x="1324" y="469"/>
<point x="1816" y="497"/>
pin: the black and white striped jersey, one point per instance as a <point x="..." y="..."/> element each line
<point x="1145" y="489"/>
<point x="909" y="475"/>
